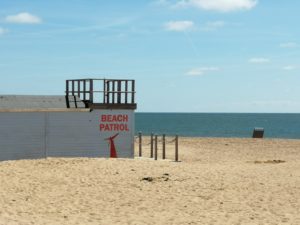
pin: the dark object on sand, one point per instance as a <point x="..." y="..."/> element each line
<point x="258" y="132"/>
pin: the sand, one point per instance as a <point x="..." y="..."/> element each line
<point x="218" y="181"/>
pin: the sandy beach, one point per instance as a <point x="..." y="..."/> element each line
<point x="218" y="181"/>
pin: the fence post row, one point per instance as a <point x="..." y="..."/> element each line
<point x="154" y="146"/>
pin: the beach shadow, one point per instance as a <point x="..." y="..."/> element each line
<point x="274" y="161"/>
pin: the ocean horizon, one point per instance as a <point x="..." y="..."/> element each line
<point x="241" y="125"/>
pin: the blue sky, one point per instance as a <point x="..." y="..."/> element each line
<point x="185" y="55"/>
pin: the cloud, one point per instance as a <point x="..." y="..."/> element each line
<point x="161" y="2"/>
<point x="289" y="67"/>
<point x="23" y="18"/>
<point x="213" y="25"/>
<point x="218" y="5"/>
<point x="179" y="26"/>
<point x="279" y="103"/>
<point x="2" y="31"/>
<point x="288" y="45"/>
<point x="259" y="60"/>
<point x="201" y="71"/>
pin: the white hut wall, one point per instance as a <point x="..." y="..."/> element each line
<point x="32" y="135"/>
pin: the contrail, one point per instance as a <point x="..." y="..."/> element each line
<point x="193" y="46"/>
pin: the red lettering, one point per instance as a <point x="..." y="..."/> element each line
<point x="114" y="118"/>
<point x="116" y="122"/>
<point x="120" y="118"/>
<point x="101" y="126"/>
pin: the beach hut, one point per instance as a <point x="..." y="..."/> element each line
<point x="95" y="118"/>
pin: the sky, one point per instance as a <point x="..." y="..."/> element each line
<point x="185" y="55"/>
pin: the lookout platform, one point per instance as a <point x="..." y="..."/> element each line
<point x="100" y="93"/>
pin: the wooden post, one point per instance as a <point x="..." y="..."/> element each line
<point x="78" y="88"/>
<point x="155" y="153"/>
<point x="151" y="145"/>
<point x="140" y="144"/>
<point x="164" y="146"/>
<point x="91" y="91"/>
<point x="176" y="148"/>
<point x="113" y="92"/>
<point x="108" y="92"/>
<point x="119" y="88"/>
<point x="132" y="91"/>
<point x="104" y="91"/>
<point x="84" y="90"/>
<point x="126" y="91"/>
<point x="73" y="87"/>
<point x="67" y="87"/>
<point x="67" y="94"/>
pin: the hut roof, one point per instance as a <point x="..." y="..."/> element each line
<point x="18" y="102"/>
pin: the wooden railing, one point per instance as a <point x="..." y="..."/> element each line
<point x="101" y="92"/>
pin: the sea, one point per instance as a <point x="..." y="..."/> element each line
<point x="275" y="125"/>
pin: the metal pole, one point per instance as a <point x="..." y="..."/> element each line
<point x="151" y="145"/>
<point x="140" y="144"/>
<point x="155" y="153"/>
<point x="176" y="148"/>
<point x="164" y="146"/>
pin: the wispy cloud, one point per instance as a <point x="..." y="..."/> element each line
<point x="259" y="60"/>
<point x="289" y="45"/>
<point x="2" y="31"/>
<point x="289" y="67"/>
<point x="213" y="25"/>
<point x="115" y="26"/>
<point x="161" y="2"/>
<point x="23" y="18"/>
<point x="218" y="5"/>
<point x="216" y="24"/>
<point x="182" y="25"/>
<point x="201" y="71"/>
<point x="279" y="103"/>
